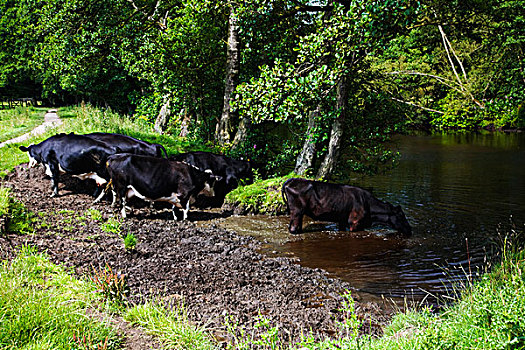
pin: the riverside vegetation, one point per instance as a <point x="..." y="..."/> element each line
<point x="43" y="306"/>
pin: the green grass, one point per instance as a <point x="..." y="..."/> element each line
<point x="170" y="325"/>
<point x="43" y="307"/>
<point x="261" y="197"/>
<point x="20" y="120"/>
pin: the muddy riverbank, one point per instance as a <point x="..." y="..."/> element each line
<point x="215" y="272"/>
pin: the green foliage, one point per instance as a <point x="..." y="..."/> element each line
<point x="43" y="307"/>
<point x="14" y="216"/>
<point x="130" y="241"/>
<point x="171" y="325"/>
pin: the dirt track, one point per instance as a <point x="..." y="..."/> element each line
<point x="215" y="272"/>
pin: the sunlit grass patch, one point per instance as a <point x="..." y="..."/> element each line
<point x="261" y="197"/>
<point x="43" y="307"/>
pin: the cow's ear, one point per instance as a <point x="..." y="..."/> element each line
<point x="24" y="148"/>
<point x="216" y="177"/>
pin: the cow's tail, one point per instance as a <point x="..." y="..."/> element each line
<point x="285" y="196"/>
<point x="161" y="148"/>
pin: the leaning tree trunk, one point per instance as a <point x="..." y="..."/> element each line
<point x="163" y="118"/>
<point x="336" y="133"/>
<point x="224" y="128"/>
<point x="305" y="159"/>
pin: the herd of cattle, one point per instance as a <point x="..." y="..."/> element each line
<point x="131" y="167"/>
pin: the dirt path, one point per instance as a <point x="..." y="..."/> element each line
<point x="51" y="119"/>
<point x="215" y="273"/>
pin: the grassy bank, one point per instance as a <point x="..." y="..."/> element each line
<point x="44" y="307"/>
<point x="260" y="197"/>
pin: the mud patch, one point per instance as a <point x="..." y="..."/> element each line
<point x="215" y="272"/>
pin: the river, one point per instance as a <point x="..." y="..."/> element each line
<point x="457" y="190"/>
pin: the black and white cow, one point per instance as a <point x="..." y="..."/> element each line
<point x="230" y="170"/>
<point x="349" y="206"/>
<point x="128" y="144"/>
<point x="157" y="179"/>
<point x="77" y="155"/>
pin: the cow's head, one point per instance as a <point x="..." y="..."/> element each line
<point x="209" y="184"/>
<point x="399" y="221"/>
<point x="33" y="153"/>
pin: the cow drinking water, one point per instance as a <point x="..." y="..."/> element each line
<point x="349" y="206"/>
<point x="157" y="179"/>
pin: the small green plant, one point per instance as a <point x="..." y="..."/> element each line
<point x="112" y="225"/>
<point x="267" y="336"/>
<point x="112" y="285"/>
<point x="130" y="241"/>
<point x="94" y="214"/>
<point x="14" y="216"/>
<point x="349" y="327"/>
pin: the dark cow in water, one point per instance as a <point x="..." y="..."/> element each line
<point x="128" y="144"/>
<point x="348" y="206"/>
<point x="230" y="170"/>
<point x="77" y="155"/>
<point x="157" y="179"/>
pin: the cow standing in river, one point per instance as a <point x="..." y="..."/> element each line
<point x="349" y="206"/>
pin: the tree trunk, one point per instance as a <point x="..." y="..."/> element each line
<point x="306" y="157"/>
<point x="224" y="128"/>
<point x="330" y="160"/>
<point x="164" y="116"/>
<point x="242" y="132"/>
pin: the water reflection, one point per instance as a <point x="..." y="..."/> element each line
<point x="455" y="191"/>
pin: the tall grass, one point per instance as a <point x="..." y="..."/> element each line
<point x="43" y="307"/>
<point x="20" y="120"/>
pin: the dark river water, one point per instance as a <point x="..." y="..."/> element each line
<point x="457" y="192"/>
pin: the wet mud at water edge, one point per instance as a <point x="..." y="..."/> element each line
<point x="215" y="272"/>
